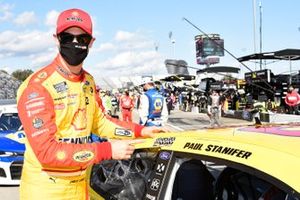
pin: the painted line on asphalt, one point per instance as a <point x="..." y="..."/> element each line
<point x="175" y="127"/>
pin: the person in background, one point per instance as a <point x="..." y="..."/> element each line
<point x="213" y="108"/>
<point x="106" y="99"/>
<point x="292" y="99"/>
<point x="126" y="105"/>
<point x="114" y="105"/>
<point x="169" y="103"/>
<point x="153" y="109"/>
<point x="58" y="108"/>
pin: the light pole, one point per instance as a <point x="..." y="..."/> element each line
<point x="173" y="43"/>
<point x="254" y="27"/>
<point x="260" y="33"/>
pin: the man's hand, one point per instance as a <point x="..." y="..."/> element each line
<point x="123" y="149"/>
<point x="150" y="131"/>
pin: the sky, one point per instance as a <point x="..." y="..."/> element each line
<point x="133" y="36"/>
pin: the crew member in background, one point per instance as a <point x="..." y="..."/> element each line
<point x="114" y="105"/>
<point x="213" y="108"/>
<point x="153" y="108"/>
<point x="292" y="99"/>
<point x="127" y="105"/>
<point x="106" y="99"/>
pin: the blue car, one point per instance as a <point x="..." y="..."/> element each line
<point x="12" y="146"/>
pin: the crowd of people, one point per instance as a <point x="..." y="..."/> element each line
<point x="215" y="103"/>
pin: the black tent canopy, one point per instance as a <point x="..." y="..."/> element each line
<point x="216" y="69"/>
<point x="285" y="54"/>
<point x="179" y="77"/>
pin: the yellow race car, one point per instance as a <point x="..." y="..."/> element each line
<point x="245" y="163"/>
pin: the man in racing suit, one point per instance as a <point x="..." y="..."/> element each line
<point x="127" y="105"/>
<point x="58" y="109"/>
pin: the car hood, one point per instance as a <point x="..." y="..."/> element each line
<point x="12" y="141"/>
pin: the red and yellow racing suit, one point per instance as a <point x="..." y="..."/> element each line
<point x="59" y="112"/>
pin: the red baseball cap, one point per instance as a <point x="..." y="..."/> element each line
<point x="74" y="17"/>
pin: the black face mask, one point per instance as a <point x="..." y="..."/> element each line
<point x="74" y="53"/>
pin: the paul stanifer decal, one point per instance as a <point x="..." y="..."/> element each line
<point x="218" y="149"/>
<point x="61" y="87"/>
<point x="164" y="141"/>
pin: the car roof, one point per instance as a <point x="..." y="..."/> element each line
<point x="271" y="150"/>
<point x="9" y="108"/>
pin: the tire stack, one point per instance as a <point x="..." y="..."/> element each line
<point x="8" y="86"/>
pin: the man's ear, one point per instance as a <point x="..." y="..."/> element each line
<point x="56" y="40"/>
<point x="92" y="42"/>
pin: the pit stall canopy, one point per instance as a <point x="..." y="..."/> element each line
<point x="285" y="54"/>
<point x="179" y="77"/>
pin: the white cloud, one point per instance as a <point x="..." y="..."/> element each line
<point x="104" y="47"/>
<point x="24" y="43"/>
<point x="129" y="54"/>
<point x="51" y="18"/>
<point x="26" y="18"/>
<point x="133" y="63"/>
<point x="40" y="60"/>
<point x="5" y="12"/>
<point x="125" y="36"/>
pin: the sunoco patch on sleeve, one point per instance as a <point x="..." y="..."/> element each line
<point x="123" y="132"/>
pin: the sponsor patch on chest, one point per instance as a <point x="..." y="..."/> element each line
<point x="61" y="87"/>
<point x="123" y="132"/>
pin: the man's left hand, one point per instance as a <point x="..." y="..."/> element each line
<point x="151" y="131"/>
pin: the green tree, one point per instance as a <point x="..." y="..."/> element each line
<point x="21" y="75"/>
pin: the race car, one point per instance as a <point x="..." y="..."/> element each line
<point x="233" y="163"/>
<point x="12" y="145"/>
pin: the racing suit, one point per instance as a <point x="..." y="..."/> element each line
<point x="153" y="108"/>
<point x="59" y="112"/>
<point x="126" y="104"/>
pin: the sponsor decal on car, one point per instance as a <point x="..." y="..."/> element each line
<point x="150" y="197"/>
<point x="164" y="141"/>
<point x="160" y="168"/>
<point x="83" y="156"/>
<point x="18" y="136"/>
<point x="165" y="155"/>
<point x="155" y="184"/>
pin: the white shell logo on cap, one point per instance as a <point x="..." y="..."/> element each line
<point x="75" y="13"/>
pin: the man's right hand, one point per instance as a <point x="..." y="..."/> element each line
<point x="123" y="149"/>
